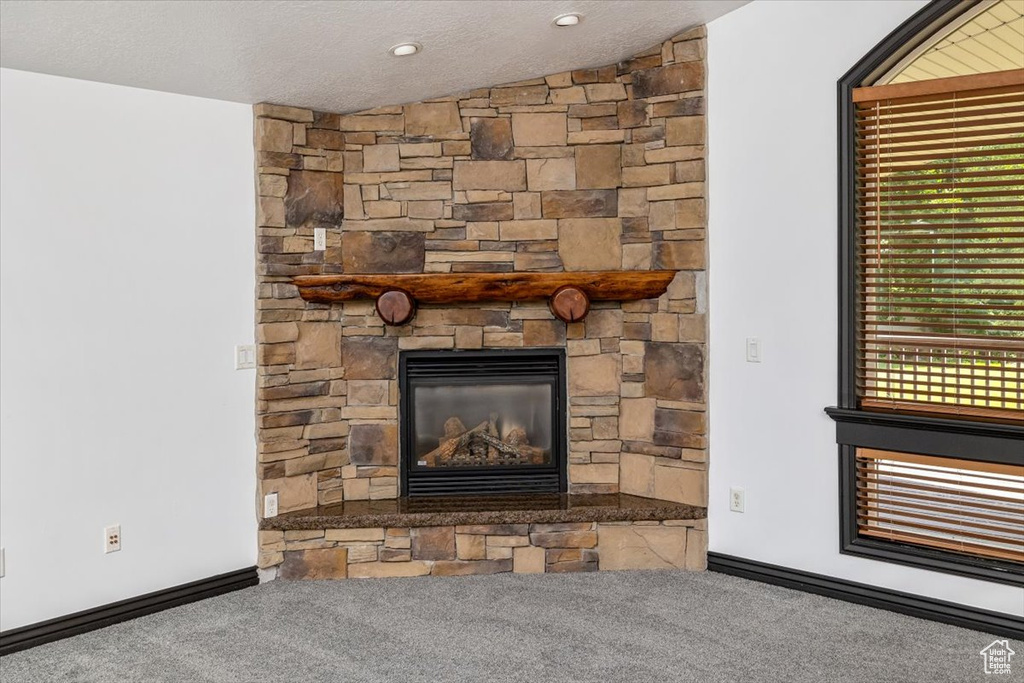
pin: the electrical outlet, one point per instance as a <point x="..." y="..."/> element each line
<point x="245" y="357"/>
<point x="112" y="538"/>
<point x="736" y="499"/>
<point x="319" y="239"/>
<point x="753" y="350"/>
<point x="270" y="505"/>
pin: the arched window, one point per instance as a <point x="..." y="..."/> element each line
<point x="930" y="419"/>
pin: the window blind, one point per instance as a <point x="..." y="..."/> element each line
<point x="940" y="214"/>
<point x="963" y="506"/>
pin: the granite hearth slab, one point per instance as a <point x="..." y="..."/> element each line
<point x="533" y="509"/>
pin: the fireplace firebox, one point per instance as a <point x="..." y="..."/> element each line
<point x="482" y="422"/>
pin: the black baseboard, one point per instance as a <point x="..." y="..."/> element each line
<point x="919" y="606"/>
<point x="25" y="637"/>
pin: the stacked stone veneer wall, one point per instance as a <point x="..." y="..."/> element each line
<point x="484" y="549"/>
<point x="594" y="169"/>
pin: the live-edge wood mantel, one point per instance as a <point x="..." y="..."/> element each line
<point x="569" y="294"/>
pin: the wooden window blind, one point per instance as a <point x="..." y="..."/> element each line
<point x="963" y="506"/>
<point x="940" y="215"/>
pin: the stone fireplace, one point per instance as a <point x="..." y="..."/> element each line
<point x="592" y="170"/>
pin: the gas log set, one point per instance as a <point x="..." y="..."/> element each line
<point x="483" y="445"/>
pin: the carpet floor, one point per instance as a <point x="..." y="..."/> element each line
<point x="611" y="626"/>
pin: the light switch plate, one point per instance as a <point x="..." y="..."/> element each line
<point x="245" y="357"/>
<point x="753" y="350"/>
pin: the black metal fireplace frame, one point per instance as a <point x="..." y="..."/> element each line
<point x="534" y="366"/>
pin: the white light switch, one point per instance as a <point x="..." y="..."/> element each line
<point x="245" y="357"/>
<point x="753" y="350"/>
<point x="319" y="239"/>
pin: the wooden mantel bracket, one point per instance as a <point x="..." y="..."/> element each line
<point x="569" y="294"/>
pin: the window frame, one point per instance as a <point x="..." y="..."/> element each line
<point x="923" y="434"/>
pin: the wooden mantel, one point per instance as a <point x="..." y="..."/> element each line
<point x="568" y="293"/>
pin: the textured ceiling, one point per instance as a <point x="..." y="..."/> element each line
<point x="330" y="55"/>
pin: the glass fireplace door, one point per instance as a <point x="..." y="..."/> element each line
<point x="482" y="422"/>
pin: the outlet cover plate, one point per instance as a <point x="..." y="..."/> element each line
<point x="112" y="538"/>
<point x="270" y="505"/>
<point x="737" y="499"/>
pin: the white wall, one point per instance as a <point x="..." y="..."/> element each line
<point x="126" y="278"/>
<point x="773" y="68"/>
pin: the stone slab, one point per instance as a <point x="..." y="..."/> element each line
<point x="540" y="509"/>
<point x="641" y="547"/>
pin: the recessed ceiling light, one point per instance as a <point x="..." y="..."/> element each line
<point x="568" y="20"/>
<point x="405" y="49"/>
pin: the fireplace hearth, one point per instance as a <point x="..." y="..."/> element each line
<point x="482" y="422"/>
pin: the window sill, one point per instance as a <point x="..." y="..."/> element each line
<point x="934" y="560"/>
<point x="954" y="438"/>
